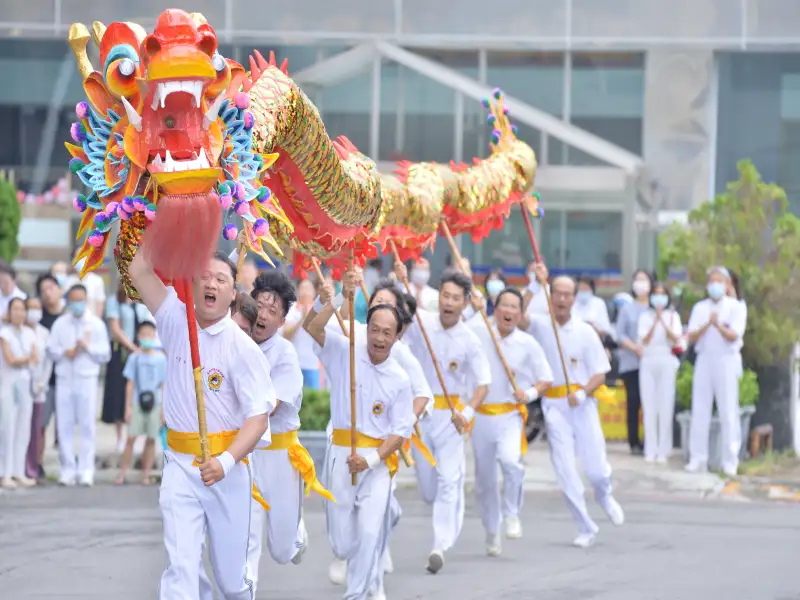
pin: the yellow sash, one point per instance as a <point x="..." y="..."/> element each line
<point x="440" y="403"/>
<point x="561" y="391"/>
<point x="341" y="437"/>
<point x="421" y="447"/>
<point x="300" y="460"/>
<point x="184" y="442"/>
<point x="492" y="410"/>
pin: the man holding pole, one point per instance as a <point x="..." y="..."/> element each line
<point x="214" y="496"/>
<point x="461" y="362"/>
<point x="579" y="365"/>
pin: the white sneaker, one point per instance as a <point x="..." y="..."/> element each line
<point x="86" y="481"/>
<point x="730" y="472"/>
<point x="67" y="481"/>
<point x="298" y="557"/>
<point x="8" y="483"/>
<point x="513" y="528"/>
<point x="493" y="547"/>
<point x="435" y="561"/>
<point x="649" y="460"/>
<point x="379" y="594"/>
<point x="695" y="466"/>
<point x="614" y="511"/>
<point x="337" y="572"/>
<point x="661" y="460"/>
<point x="584" y="540"/>
<point x="388" y="564"/>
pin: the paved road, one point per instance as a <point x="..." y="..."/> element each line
<point x="105" y="542"/>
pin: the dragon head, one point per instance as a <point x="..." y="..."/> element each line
<point x="164" y="118"/>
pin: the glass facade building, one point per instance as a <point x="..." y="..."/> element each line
<point x="637" y="112"/>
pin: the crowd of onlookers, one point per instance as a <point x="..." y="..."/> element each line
<point x="59" y="341"/>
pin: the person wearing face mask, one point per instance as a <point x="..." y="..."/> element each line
<point x="494" y="284"/>
<point x="94" y="284"/>
<point x="78" y="346"/>
<point x="631" y="351"/>
<point x="716" y="327"/>
<point x="18" y="346"/>
<point x="41" y="371"/>
<point x="591" y="309"/>
<point x="60" y="272"/>
<point x="426" y="296"/>
<point x="660" y="330"/>
<point x="358" y="524"/>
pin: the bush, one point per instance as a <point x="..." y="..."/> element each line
<point x="10" y="217"/>
<point x="316" y="410"/>
<point x="748" y="387"/>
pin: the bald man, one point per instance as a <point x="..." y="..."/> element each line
<point x="570" y="411"/>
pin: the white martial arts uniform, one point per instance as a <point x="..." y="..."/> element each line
<point x="498" y="430"/>
<point x="577" y="430"/>
<point x="237" y="387"/>
<point x="16" y="403"/>
<point x="77" y="382"/>
<point x="716" y="378"/>
<point x="658" y="370"/>
<point x="359" y="521"/>
<point x="277" y="479"/>
<point x="462" y="361"/>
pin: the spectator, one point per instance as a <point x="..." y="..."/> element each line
<point x="94" y="284"/>
<point x="52" y="296"/>
<point x="41" y="372"/>
<point x="630" y="352"/>
<point x="78" y="346"/>
<point x="18" y="344"/>
<point x="301" y="340"/>
<point x="494" y="283"/>
<point x="590" y="308"/>
<point x="145" y="373"/>
<point x="427" y="297"/>
<point x="60" y="270"/>
<point x="244" y="312"/>
<point x="122" y="317"/>
<point x="8" y="287"/>
<point x="659" y="333"/>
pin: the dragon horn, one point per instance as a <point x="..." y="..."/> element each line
<point x="78" y="40"/>
<point x="98" y="31"/>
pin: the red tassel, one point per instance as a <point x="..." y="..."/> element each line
<point x="183" y="237"/>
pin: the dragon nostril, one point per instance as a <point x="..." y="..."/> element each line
<point x="151" y="45"/>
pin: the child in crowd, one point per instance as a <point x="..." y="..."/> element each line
<point x="244" y="312"/>
<point x="145" y="372"/>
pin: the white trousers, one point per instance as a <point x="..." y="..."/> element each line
<point x="716" y="379"/>
<point x="16" y="410"/>
<point x="358" y="524"/>
<point x="442" y="485"/>
<point x="572" y="431"/>
<point x="496" y="440"/>
<point x="657" y="377"/>
<point x="76" y="402"/>
<point x="189" y="510"/>
<point x="395" y="513"/>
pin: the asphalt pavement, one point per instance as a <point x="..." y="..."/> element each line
<point x="105" y="542"/>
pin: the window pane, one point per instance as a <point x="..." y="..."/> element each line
<point x="594" y="242"/>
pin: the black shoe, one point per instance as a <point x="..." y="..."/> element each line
<point x="637" y="451"/>
<point x="41" y="474"/>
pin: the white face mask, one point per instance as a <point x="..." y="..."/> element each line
<point x="641" y="287"/>
<point x="34" y="315"/>
<point x="420" y="276"/>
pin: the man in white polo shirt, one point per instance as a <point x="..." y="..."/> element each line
<point x="214" y="497"/>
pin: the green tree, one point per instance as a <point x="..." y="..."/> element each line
<point x="10" y="217"/>
<point x="748" y="229"/>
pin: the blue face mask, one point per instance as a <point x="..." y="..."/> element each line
<point x="76" y="308"/>
<point x="494" y="287"/>
<point x="147" y="344"/>
<point x="659" y="300"/>
<point x="583" y="296"/>
<point x="716" y="290"/>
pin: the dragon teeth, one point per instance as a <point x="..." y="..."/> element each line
<point x="165" y="88"/>
<point x="170" y="165"/>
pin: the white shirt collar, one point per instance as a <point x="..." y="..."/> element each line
<point x="219" y="325"/>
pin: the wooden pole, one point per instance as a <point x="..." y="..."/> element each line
<point x="425" y="337"/>
<point x="318" y="271"/>
<point x="527" y="219"/>
<point x="197" y="368"/>
<point x="460" y="264"/>
<point x="351" y="305"/>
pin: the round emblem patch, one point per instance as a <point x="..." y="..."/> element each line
<point x="214" y="379"/>
<point x="453" y="366"/>
<point x="377" y="409"/>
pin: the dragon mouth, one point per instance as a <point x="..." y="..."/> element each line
<point x="164" y="89"/>
<point x="170" y="164"/>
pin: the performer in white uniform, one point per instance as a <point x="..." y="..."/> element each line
<point x="280" y="469"/>
<point x="384" y="418"/>
<point x="214" y="497"/>
<point x="78" y="345"/>
<point x="462" y="362"/>
<point x="573" y="424"/>
<point x="498" y="435"/>
<point x="716" y="327"/>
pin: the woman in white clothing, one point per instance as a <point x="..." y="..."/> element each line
<point x="18" y="344"/>
<point x="659" y="332"/>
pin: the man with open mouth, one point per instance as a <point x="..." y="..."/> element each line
<point x="570" y="409"/>
<point x="214" y="497"/>
<point x="462" y="362"/>
<point x="384" y="419"/>
<point x="499" y="435"/>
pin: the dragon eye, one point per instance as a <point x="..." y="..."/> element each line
<point x="126" y="67"/>
<point x="218" y="62"/>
